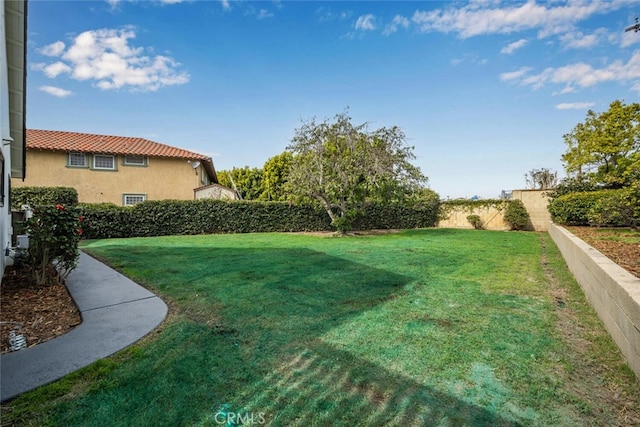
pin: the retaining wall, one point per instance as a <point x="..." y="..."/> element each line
<point x="613" y="292"/>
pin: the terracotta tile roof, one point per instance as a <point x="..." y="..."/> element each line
<point x="104" y="144"/>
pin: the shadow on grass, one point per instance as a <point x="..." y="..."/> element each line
<point x="252" y="344"/>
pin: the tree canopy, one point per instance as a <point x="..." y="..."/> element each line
<point x="605" y="148"/>
<point x="343" y="166"/>
<point x="541" y="179"/>
<point x="275" y="173"/>
<point x="247" y="181"/>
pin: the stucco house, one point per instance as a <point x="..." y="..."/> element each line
<point x="116" y="169"/>
<point x="13" y="34"/>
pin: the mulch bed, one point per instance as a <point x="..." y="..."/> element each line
<point x="625" y="254"/>
<point x="45" y="312"/>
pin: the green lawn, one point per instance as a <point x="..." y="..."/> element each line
<point x="422" y="327"/>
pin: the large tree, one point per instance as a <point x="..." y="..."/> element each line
<point x="343" y="166"/>
<point x="605" y="149"/>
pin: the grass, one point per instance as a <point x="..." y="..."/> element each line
<point x="423" y="327"/>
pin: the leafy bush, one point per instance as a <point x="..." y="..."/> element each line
<point x="475" y="221"/>
<point x="54" y="233"/>
<point x="516" y="215"/>
<point x="616" y="208"/>
<point x="574" y="208"/>
<point x="39" y="196"/>
<point x="207" y="216"/>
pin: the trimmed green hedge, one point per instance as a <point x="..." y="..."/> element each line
<point x="36" y="196"/>
<point x="618" y="208"/>
<point x="208" y="216"/>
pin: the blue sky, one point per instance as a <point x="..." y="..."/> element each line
<point x="484" y="90"/>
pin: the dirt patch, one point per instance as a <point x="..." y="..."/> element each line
<point x="620" y="245"/>
<point x="44" y="312"/>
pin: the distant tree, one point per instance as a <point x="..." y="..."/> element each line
<point x="605" y="149"/>
<point x="248" y="181"/>
<point x="542" y="179"/>
<point x="343" y="166"/>
<point x="274" y="176"/>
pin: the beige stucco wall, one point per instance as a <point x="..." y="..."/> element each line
<point x="613" y="292"/>
<point x="492" y="218"/>
<point x="536" y="202"/>
<point x="160" y="179"/>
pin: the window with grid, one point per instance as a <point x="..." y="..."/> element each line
<point x="101" y="161"/>
<point x="135" y="160"/>
<point x="133" y="199"/>
<point x="78" y="160"/>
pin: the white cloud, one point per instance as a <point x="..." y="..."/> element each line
<point x="53" y="49"/>
<point x="105" y="57"/>
<point x="575" y="105"/>
<point x="53" y="70"/>
<point x="512" y="47"/>
<point x="514" y="75"/>
<point x="366" y="23"/>
<point x="263" y="14"/>
<point x="578" y="40"/>
<point x="398" y="21"/>
<point x="469" y="58"/>
<point x="629" y="38"/>
<point x="55" y="91"/>
<point x="584" y="75"/>
<point x="226" y="5"/>
<point x="486" y="17"/>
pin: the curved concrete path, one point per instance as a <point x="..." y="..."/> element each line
<point x="116" y="312"/>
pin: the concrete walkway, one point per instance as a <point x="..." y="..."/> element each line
<point x="116" y="312"/>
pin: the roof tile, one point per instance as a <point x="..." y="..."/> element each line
<point x="104" y="144"/>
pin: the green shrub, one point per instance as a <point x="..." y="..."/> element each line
<point x="616" y="208"/>
<point x="39" y="196"/>
<point x="475" y="221"/>
<point x="516" y="215"/>
<point x="54" y="232"/>
<point x="574" y="208"/>
<point x="207" y="216"/>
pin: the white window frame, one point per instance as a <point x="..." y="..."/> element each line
<point x="126" y="201"/>
<point x="127" y="160"/>
<point x="113" y="162"/>
<point x="70" y="163"/>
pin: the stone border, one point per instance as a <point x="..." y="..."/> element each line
<point x="613" y="292"/>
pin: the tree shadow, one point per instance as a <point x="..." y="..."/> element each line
<point x="255" y="343"/>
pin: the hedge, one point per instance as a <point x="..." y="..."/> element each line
<point x="208" y="216"/>
<point x="35" y="196"/>
<point x="618" y="208"/>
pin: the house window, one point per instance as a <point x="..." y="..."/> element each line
<point x="78" y="160"/>
<point x="135" y="160"/>
<point x="101" y="161"/>
<point x="133" y="199"/>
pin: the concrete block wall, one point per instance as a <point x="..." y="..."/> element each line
<point x="536" y="202"/>
<point x="491" y="216"/>
<point x="613" y="292"/>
